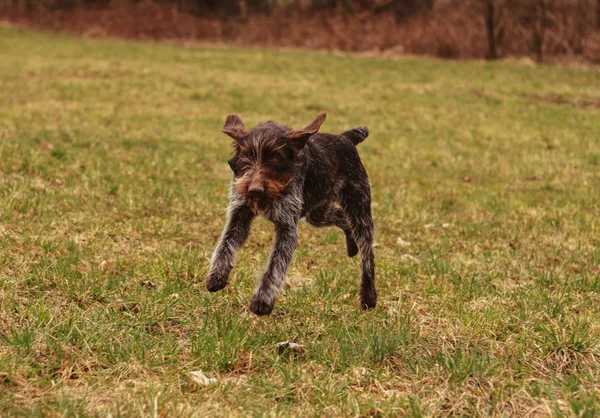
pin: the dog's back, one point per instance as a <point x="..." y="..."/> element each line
<point x="330" y="163"/>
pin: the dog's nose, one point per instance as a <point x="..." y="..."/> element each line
<point x="256" y="187"/>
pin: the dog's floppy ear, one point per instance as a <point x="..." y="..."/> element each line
<point x="234" y="127"/>
<point x="299" y="137"/>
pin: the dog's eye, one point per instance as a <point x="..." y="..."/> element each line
<point x="240" y="166"/>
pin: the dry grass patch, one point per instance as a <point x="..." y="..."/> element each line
<point x="113" y="186"/>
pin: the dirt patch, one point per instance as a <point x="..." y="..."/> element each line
<point x="581" y="103"/>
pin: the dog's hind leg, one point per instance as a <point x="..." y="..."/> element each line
<point x="330" y="215"/>
<point x="237" y="228"/>
<point x="356" y="202"/>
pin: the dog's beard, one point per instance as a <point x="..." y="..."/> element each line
<point x="262" y="203"/>
<point x="258" y="205"/>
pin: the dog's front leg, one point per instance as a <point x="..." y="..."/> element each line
<point x="286" y="241"/>
<point x="237" y="228"/>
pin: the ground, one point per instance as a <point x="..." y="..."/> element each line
<point x="113" y="188"/>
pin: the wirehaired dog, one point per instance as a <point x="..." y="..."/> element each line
<point x="285" y="175"/>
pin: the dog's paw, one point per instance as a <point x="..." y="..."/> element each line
<point x="368" y="303"/>
<point x="216" y="282"/>
<point x="368" y="298"/>
<point x="260" y="305"/>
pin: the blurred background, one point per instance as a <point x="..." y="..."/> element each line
<point x="490" y="29"/>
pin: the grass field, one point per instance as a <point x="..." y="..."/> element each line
<point x="113" y="187"/>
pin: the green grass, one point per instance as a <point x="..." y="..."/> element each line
<point x="113" y="186"/>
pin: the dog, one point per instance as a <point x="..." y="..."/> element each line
<point x="285" y="175"/>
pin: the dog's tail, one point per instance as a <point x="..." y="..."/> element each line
<point x="357" y="135"/>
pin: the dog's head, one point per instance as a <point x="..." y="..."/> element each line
<point x="264" y="157"/>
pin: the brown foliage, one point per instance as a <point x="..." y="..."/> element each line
<point x="447" y="29"/>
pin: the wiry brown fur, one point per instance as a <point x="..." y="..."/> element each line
<point x="285" y="175"/>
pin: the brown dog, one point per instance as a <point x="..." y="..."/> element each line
<point x="285" y="175"/>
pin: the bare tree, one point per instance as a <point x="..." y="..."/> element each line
<point x="539" y="22"/>
<point x="490" y="24"/>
